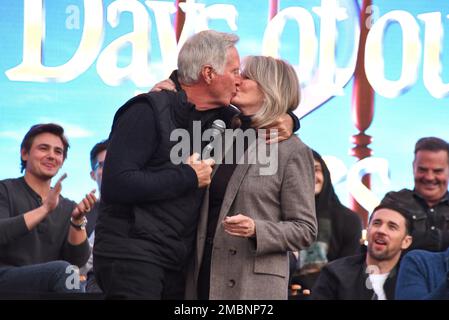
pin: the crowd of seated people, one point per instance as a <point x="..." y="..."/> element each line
<point x="424" y="270"/>
<point x="45" y="237"/>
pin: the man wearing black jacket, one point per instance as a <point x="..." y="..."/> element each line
<point x="428" y="203"/>
<point x="372" y="275"/>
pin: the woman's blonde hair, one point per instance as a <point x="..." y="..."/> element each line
<point x="279" y="83"/>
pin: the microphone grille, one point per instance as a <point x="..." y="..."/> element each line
<point x="219" y="125"/>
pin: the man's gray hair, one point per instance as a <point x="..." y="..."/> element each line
<point x="204" y="48"/>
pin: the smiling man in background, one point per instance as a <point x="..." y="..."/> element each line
<point x="372" y="275"/>
<point x="428" y="203"/>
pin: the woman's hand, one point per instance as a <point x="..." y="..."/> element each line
<point x="280" y="130"/>
<point x="240" y="226"/>
<point x="164" y="85"/>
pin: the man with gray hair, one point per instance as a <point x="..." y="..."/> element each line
<point x="149" y="206"/>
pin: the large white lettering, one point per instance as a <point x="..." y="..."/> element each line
<point x="31" y="68"/>
<point x="307" y="36"/>
<point x="321" y="77"/>
<point x="374" y="62"/>
<point x="138" y="68"/>
<point x="198" y="17"/>
<point x="353" y="175"/>
<point x="433" y="39"/>
<point x="330" y="13"/>
<point x="326" y="80"/>
<point x="364" y="196"/>
<point x="166" y="34"/>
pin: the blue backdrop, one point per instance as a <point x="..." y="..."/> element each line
<point x="75" y="62"/>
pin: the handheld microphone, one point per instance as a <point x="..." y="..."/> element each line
<point x="218" y="127"/>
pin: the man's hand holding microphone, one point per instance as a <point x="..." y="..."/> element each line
<point x="203" y="169"/>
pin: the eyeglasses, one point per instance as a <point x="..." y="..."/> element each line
<point x="99" y="164"/>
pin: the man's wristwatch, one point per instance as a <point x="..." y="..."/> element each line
<point x="81" y="226"/>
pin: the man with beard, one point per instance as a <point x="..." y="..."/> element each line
<point x="372" y="275"/>
<point x="428" y="203"/>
